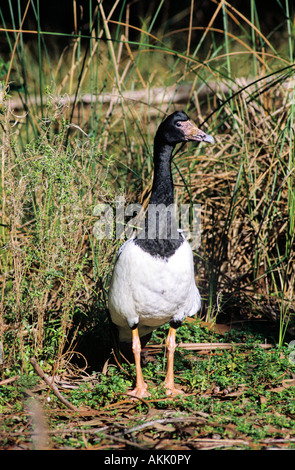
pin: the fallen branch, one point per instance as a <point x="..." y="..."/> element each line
<point x="8" y="381"/>
<point x="206" y="346"/>
<point x="154" y="96"/>
<point x="156" y="99"/>
<point x="214" y="443"/>
<point x="51" y="384"/>
<point x="163" y="421"/>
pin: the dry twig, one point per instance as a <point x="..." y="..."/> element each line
<point x="51" y="384"/>
<point x="206" y="346"/>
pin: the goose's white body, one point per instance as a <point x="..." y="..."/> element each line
<point x="150" y="291"/>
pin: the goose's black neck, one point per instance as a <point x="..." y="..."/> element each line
<point x="164" y="243"/>
<point x="162" y="190"/>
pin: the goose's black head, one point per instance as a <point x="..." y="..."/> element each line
<point x="179" y="128"/>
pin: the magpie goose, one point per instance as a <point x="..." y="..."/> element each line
<point x="153" y="277"/>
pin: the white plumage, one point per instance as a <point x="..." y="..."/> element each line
<point x="151" y="291"/>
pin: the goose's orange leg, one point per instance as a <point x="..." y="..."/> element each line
<point x="141" y="387"/>
<point x="169" y="381"/>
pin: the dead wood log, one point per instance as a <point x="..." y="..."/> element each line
<point x="155" y="96"/>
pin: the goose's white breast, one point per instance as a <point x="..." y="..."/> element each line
<point x="151" y="290"/>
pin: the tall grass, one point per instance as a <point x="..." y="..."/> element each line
<point x="62" y="155"/>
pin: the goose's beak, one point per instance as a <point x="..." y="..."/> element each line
<point x="209" y="138"/>
<point x="193" y="133"/>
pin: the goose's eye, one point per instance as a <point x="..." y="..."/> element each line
<point x="178" y="124"/>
